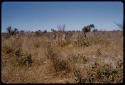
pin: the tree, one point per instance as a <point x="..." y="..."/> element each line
<point x="12" y="31"/>
<point x="15" y="31"/>
<point x="45" y="31"/>
<point x="88" y="28"/>
<point x="9" y="29"/>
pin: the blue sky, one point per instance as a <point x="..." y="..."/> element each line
<point x="33" y="16"/>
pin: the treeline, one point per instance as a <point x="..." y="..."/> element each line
<point x="60" y="28"/>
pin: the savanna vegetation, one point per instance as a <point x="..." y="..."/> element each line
<point x="62" y="57"/>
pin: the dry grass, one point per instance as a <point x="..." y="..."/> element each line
<point x="35" y="58"/>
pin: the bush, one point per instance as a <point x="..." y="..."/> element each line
<point x="78" y="77"/>
<point x="58" y="63"/>
<point x="23" y="59"/>
<point x="38" y="33"/>
<point x="81" y="41"/>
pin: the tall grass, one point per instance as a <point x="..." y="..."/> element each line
<point x="34" y="58"/>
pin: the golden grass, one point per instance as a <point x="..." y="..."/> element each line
<point x="97" y="58"/>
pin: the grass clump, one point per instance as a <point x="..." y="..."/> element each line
<point x="23" y="59"/>
<point x="57" y="62"/>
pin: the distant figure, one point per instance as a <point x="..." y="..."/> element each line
<point x="88" y="28"/>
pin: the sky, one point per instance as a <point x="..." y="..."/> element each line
<point x="33" y="16"/>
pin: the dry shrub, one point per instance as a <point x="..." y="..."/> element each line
<point x="98" y="74"/>
<point x="78" y="63"/>
<point x="78" y="76"/>
<point x="60" y="43"/>
<point x="10" y="45"/>
<point x="22" y="58"/>
<point x="81" y="41"/>
<point x="107" y="75"/>
<point x="85" y="40"/>
<point x="12" y="52"/>
<point x="60" y="40"/>
<point x="78" y="58"/>
<point x="37" y="45"/>
<point x="57" y="62"/>
<point x="18" y="58"/>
